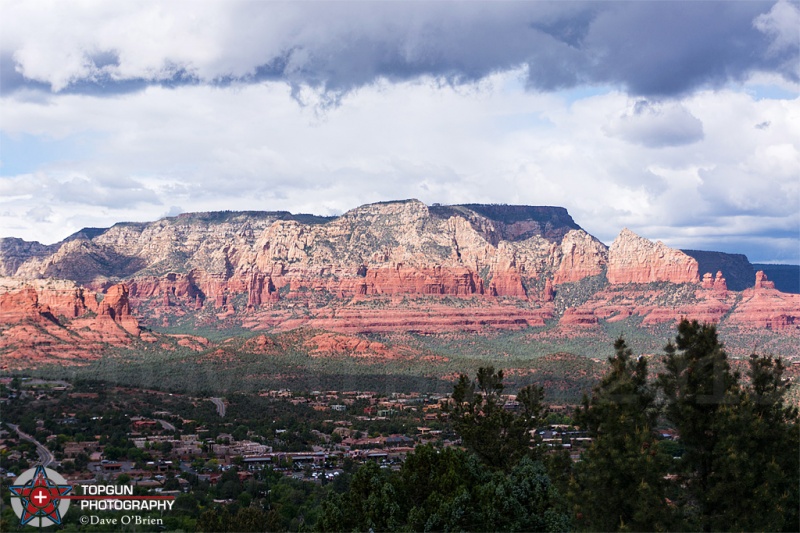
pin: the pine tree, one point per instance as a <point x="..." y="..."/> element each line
<point x="619" y="482"/>
<point x="498" y="436"/>
<point x="438" y="489"/>
<point x="755" y="476"/>
<point x="740" y="466"/>
<point x="697" y="384"/>
<point x="523" y="499"/>
<point x="370" y="503"/>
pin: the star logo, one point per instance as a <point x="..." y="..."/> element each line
<point x="38" y="494"/>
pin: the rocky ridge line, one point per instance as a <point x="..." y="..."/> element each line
<point x="394" y="266"/>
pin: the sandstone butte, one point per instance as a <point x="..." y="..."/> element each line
<point x="393" y="266"/>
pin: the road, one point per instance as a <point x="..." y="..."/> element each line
<point x="45" y="457"/>
<point x="166" y="425"/>
<point x="220" y="406"/>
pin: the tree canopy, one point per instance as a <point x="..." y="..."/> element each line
<point x="734" y="464"/>
<point x="497" y="432"/>
<point x="619" y="484"/>
<point x="740" y="468"/>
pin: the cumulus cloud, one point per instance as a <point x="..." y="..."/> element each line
<point x="657" y="125"/>
<point x="648" y="48"/>
<point x="764" y="181"/>
<point x="780" y="24"/>
<point x="86" y="190"/>
<point x="39" y="213"/>
<point x="681" y="120"/>
<point x="254" y="147"/>
<point x="173" y="211"/>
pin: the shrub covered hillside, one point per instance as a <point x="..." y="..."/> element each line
<point x="697" y="448"/>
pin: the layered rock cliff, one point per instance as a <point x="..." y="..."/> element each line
<point x="579" y="256"/>
<point x="762" y="306"/>
<point x="59" y="321"/>
<point x="785" y="277"/>
<point x="393" y="266"/>
<point x="14" y="252"/>
<point x="390" y="248"/>
<point x="633" y="259"/>
<point x="736" y="269"/>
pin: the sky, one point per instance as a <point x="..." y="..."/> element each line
<point x="677" y="120"/>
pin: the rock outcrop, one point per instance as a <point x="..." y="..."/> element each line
<point x="762" y="306"/>
<point x="116" y="307"/>
<point x="633" y="259"/>
<point x="736" y="269"/>
<point x="26" y="298"/>
<point x="15" y="252"/>
<point x="718" y="283"/>
<point x="762" y="282"/>
<point x="418" y="316"/>
<point x="47" y="321"/>
<point x="581" y="256"/>
<point x="333" y="345"/>
<point x="785" y="277"/>
<point x="435" y="280"/>
<point x="388" y="267"/>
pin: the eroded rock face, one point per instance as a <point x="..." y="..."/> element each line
<point x="30" y="297"/>
<point x="402" y="246"/>
<point x="579" y="316"/>
<point x="762" y="282"/>
<point x="582" y="256"/>
<point x="506" y="274"/>
<point x="759" y="307"/>
<point x="58" y="321"/>
<point x="765" y="307"/>
<point x="332" y="345"/>
<point x="260" y="290"/>
<point x="736" y="269"/>
<point x="618" y="302"/>
<point x="395" y="266"/>
<point x="410" y="316"/>
<point x="720" y="284"/>
<point x="633" y="259"/>
<point x="116" y="306"/>
<point x="15" y="252"/>
<point x="549" y="293"/>
<point x="717" y="283"/>
<point x="454" y="281"/>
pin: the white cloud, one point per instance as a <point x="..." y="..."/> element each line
<point x="657" y="124"/>
<point x="781" y="23"/>
<point x="254" y="147"/>
<point x="652" y="48"/>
